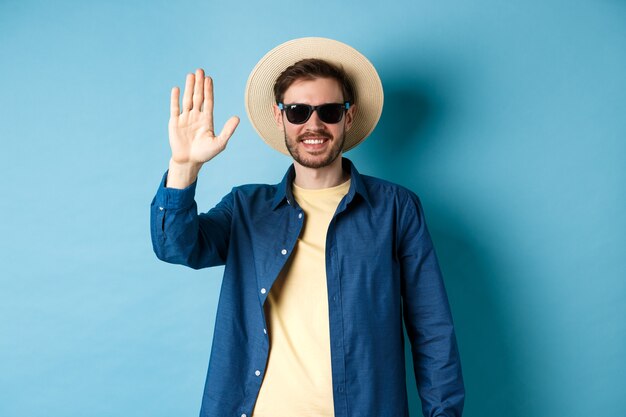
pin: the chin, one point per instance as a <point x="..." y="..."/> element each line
<point x="314" y="161"/>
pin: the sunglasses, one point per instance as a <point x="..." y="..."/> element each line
<point x="330" y="113"/>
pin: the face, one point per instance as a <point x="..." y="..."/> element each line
<point x="314" y="144"/>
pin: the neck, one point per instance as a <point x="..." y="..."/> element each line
<point x="325" y="177"/>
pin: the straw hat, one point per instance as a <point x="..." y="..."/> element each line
<point x="368" y="89"/>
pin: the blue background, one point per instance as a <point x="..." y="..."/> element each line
<point x="507" y="118"/>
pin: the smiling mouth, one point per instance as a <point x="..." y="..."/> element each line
<point x="314" y="141"/>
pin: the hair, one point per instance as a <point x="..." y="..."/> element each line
<point x="311" y="69"/>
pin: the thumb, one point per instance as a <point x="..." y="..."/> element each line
<point x="228" y="129"/>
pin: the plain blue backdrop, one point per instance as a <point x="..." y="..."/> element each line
<point x="507" y="118"/>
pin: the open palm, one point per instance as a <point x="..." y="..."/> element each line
<point x="191" y="133"/>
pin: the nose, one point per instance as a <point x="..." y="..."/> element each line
<point x="314" y="121"/>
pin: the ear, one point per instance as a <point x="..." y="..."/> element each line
<point x="349" y="116"/>
<point x="278" y="116"/>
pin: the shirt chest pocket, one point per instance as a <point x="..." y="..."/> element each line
<point x="365" y="248"/>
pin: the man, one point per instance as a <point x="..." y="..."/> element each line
<point x="320" y="268"/>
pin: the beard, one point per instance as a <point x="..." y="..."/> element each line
<point x="320" y="160"/>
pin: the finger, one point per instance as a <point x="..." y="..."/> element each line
<point x="187" y="103"/>
<point x="228" y="129"/>
<point x="208" y="100"/>
<point x="198" y="89"/>
<point x="174" y="103"/>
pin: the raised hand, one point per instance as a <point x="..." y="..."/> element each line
<point x="191" y="133"/>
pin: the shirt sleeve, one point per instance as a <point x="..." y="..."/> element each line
<point x="428" y="318"/>
<point x="182" y="236"/>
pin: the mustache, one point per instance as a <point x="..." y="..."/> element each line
<point x="314" y="134"/>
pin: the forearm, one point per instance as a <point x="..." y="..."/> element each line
<point x="438" y="374"/>
<point x="181" y="236"/>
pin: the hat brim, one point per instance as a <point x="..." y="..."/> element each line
<point x="368" y="89"/>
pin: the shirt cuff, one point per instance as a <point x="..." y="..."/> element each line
<point x="174" y="198"/>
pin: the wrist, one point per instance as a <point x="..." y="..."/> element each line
<point x="182" y="175"/>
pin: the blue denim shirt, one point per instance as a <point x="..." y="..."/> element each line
<point x="380" y="267"/>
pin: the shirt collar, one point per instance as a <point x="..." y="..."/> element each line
<point x="357" y="187"/>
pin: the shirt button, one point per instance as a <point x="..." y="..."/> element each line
<point x="264" y="331"/>
<point x="300" y="215"/>
<point x="161" y="208"/>
<point x="334" y="298"/>
<point x="257" y="372"/>
<point x="263" y="290"/>
<point x="340" y="388"/>
<point x="284" y="251"/>
<point x="243" y="415"/>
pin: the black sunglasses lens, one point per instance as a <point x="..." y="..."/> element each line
<point x="298" y="113"/>
<point x="330" y="113"/>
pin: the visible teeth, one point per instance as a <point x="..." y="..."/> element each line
<point x="313" y="141"/>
